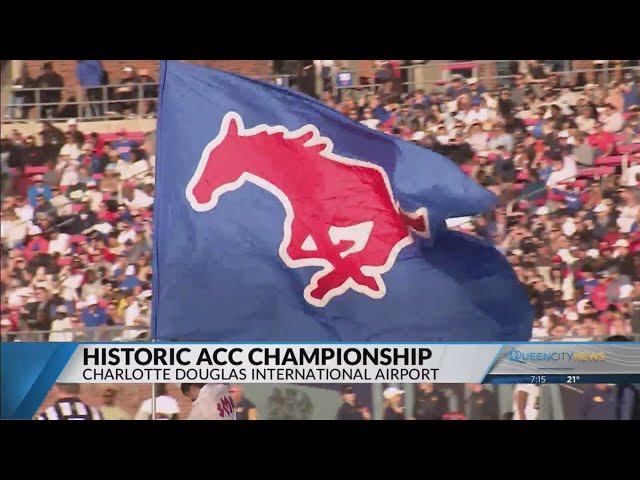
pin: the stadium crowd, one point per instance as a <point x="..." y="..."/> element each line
<point x="563" y="155"/>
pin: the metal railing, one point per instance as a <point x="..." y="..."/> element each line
<point x="108" y="102"/>
<point x="426" y="76"/>
<point x="120" y="333"/>
<point x="105" y="102"/>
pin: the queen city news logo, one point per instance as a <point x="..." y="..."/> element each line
<point x="518" y="356"/>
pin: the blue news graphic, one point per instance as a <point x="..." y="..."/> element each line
<point x="28" y="371"/>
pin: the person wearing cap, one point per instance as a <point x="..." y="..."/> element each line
<point x="93" y="315"/>
<point x="123" y="146"/>
<point x="167" y="407"/>
<point x="210" y="401"/>
<point x="127" y="92"/>
<point x="76" y="135"/>
<point x="109" y="408"/>
<point x="350" y="408"/>
<point x="37" y="244"/>
<point x="393" y="408"/>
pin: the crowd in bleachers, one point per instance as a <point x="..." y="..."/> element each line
<point x="76" y="234"/>
<point x="563" y="155"/>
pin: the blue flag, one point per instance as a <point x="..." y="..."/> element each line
<point x="279" y="219"/>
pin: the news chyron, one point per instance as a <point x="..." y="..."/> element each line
<point x="534" y="362"/>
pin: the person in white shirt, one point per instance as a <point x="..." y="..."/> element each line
<point x="70" y="148"/>
<point x="140" y="200"/>
<point x="369" y="121"/>
<point x="167" y="407"/>
<point x="526" y="399"/>
<point x="70" y="176"/>
<point x="479" y="139"/>
<point x="23" y="210"/>
<point x="132" y="316"/>
<point x="93" y="195"/>
<point x="127" y="233"/>
<point x="59" y="243"/>
<point x="12" y="229"/>
<point x="564" y="169"/>
<point x="612" y="119"/>
<point x="61" y="326"/>
<point x="211" y="401"/>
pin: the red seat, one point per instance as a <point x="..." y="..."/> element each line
<point x="576" y="183"/>
<point x="77" y="238"/>
<point x="613" y="160"/>
<point x="555" y="196"/>
<point x="634" y="147"/>
<point x="592" y="172"/>
<point x="619" y="137"/>
<point x="64" y="261"/>
<point x="35" y="170"/>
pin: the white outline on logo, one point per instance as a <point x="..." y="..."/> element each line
<point x="316" y="139"/>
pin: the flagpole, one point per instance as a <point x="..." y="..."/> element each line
<point x="153" y="395"/>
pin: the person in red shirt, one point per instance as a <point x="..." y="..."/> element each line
<point x="603" y="142"/>
<point x="598" y="295"/>
<point x="37" y="244"/>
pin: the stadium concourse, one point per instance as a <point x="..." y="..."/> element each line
<point x="562" y="154"/>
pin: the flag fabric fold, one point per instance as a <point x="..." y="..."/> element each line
<point x="278" y="219"/>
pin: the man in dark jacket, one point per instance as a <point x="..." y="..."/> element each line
<point x="89" y="73"/>
<point x="51" y="84"/>
<point x="25" y="92"/>
<point x="52" y="141"/>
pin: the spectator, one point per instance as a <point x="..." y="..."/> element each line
<point x="526" y="402"/>
<point x="149" y="91"/>
<point x="350" y="408"/>
<point x="483" y="404"/>
<point x="245" y="408"/>
<point x="599" y="403"/>
<point x="109" y="409"/>
<point x="89" y="74"/>
<point x="76" y="135"/>
<point x="127" y="93"/>
<point x="51" y="84"/>
<point x="612" y="119"/>
<point x="22" y="95"/>
<point x="38" y="188"/>
<point x="393" y="409"/>
<point x="123" y="145"/>
<point x="430" y="403"/>
<point x="167" y="407"/>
